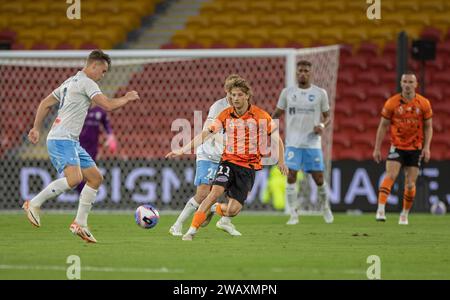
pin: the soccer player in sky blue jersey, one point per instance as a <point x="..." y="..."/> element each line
<point x="74" y="97"/>
<point x="307" y="114"/>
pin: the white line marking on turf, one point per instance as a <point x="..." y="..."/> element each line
<point x="92" y="269"/>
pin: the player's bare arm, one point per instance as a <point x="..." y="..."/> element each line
<point x="42" y="112"/>
<point x="277" y="113"/>
<point x="281" y="165"/>
<point x="428" y="134"/>
<point x="196" y="141"/>
<point x="325" y="122"/>
<point x="113" y="104"/>
<point x="381" y="132"/>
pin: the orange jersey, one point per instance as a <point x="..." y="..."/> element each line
<point x="245" y="135"/>
<point x="407" y="120"/>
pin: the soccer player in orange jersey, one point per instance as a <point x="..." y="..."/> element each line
<point x="246" y="126"/>
<point x="409" y="117"/>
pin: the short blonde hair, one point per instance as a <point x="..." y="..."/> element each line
<point x="229" y="80"/>
<point x="243" y="85"/>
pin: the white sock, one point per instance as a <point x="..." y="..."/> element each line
<point x="190" y="207"/>
<point x="381" y="206"/>
<point x="323" y="195"/>
<point x="87" y="197"/>
<point x="405" y="212"/>
<point x="225" y="219"/>
<point x="53" y="190"/>
<point x="291" y="198"/>
<point x="192" y="230"/>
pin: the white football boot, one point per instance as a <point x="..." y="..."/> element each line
<point x="292" y="220"/>
<point x="328" y="215"/>
<point x="175" y="230"/>
<point x="381" y="215"/>
<point x="32" y="213"/>
<point x="82" y="232"/>
<point x="403" y="220"/>
<point x="227" y="226"/>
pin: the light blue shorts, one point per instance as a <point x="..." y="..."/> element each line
<point x="305" y="159"/>
<point x="205" y="172"/>
<point x="65" y="152"/>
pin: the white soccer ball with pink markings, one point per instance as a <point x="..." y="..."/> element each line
<point x="146" y="216"/>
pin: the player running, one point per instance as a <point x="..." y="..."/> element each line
<point x="308" y="114"/>
<point x="409" y="117"/>
<point x="246" y="126"/>
<point x="208" y="158"/>
<point x="74" y="97"/>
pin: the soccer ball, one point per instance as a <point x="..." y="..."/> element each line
<point x="438" y="208"/>
<point x="146" y="216"/>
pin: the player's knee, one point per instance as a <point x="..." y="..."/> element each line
<point x="319" y="181"/>
<point x="232" y="211"/>
<point x="95" y="181"/>
<point x="292" y="178"/>
<point x="410" y="185"/>
<point x="74" y="180"/>
<point x="200" y="196"/>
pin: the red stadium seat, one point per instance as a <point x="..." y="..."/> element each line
<point x="441" y="78"/>
<point x="351" y="154"/>
<point x="368" y="50"/>
<point x="390" y="51"/>
<point x="438" y="124"/>
<point x="436" y="65"/>
<point x="40" y="46"/>
<point x="441" y="108"/>
<point x="443" y="49"/>
<point x="381" y="64"/>
<point x="342" y="139"/>
<point x="378" y="94"/>
<point x="354" y="93"/>
<point x="345" y="77"/>
<point x="367" y="110"/>
<point x="434" y="93"/>
<point x="8" y="35"/>
<point x="346" y="51"/>
<point x="342" y="111"/>
<point x="64" y="46"/>
<point x="355" y="63"/>
<point x="368" y="78"/>
<point x="169" y="46"/>
<point x="431" y="33"/>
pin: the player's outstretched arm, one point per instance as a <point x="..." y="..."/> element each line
<point x="381" y="132"/>
<point x="42" y="112"/>
<point x="196" y="141"/>
<point x="113" y="104"/>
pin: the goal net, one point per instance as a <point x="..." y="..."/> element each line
<point x="173" y="85"/>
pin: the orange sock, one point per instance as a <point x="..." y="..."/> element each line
<point x="385" y="190"/>
<point x="219" y="209"/>
<point x="408" y="198"/>
<point x="199" y="218"/>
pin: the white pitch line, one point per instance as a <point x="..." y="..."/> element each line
<point x="92" y="269"/>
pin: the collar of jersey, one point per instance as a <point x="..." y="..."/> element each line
<point x="249" y="111"/>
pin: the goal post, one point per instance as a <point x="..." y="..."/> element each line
<point x="173" y="85"/>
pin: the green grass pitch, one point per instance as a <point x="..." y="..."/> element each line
<point x="268" y="249"/>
